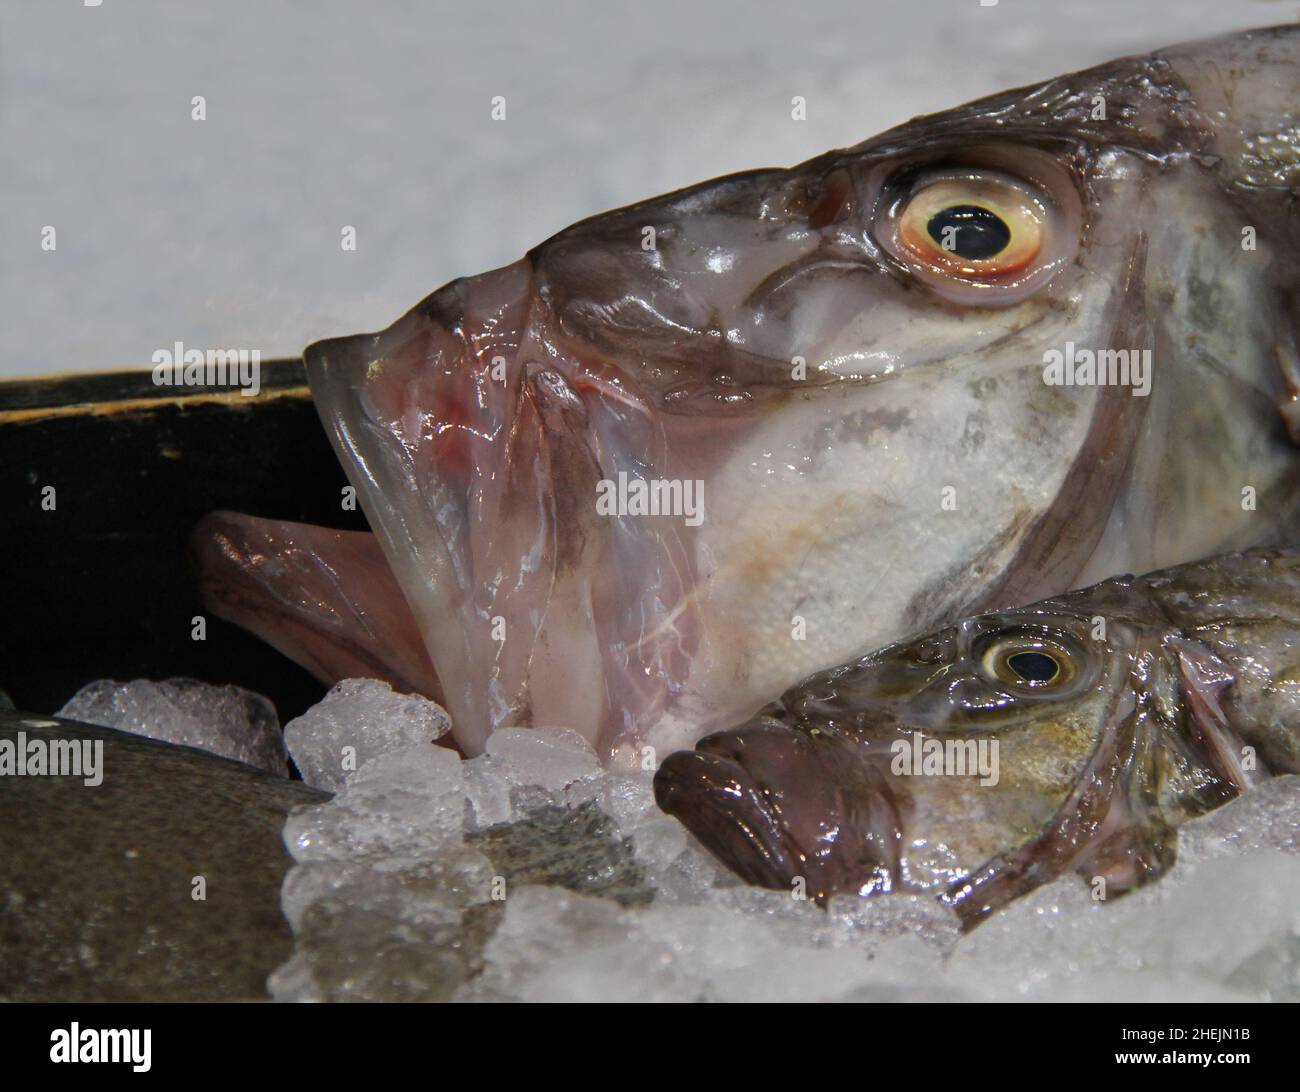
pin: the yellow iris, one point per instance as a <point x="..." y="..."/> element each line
<point x="973" y="227"/>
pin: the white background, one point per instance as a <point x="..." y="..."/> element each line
<point x="225" y="233"/>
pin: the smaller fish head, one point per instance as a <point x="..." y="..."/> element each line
<point x="985" y="729"/>
<point x="973" y="764"/>
<point x="787" y="808"/>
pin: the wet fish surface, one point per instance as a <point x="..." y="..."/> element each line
<point x="1111" y="715"/>
<point x="98" y="882"/>
<point x="827" y="405"/>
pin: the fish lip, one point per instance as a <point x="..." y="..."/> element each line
<point x="818" y="815"/>
<point x="722" y="804"/>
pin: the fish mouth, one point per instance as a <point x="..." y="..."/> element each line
<point x="725" y="808"/>
<point x="479" y="458"/>
<point x="786" y="810"/>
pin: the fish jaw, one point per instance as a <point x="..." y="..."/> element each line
<point x="787" y="811"/>
<point x="477" y="458"/>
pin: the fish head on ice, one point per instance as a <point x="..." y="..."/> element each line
<point x="978" y="762"/>
<point x="687" y="452"/>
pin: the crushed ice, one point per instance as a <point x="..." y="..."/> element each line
<point x="359" y="720"/>
<point x="394" y="895"/>
<point x="224" y="720"/>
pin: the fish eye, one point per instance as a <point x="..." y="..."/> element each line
<point x="1028" y="661"/>
<point x="972" y="227"/>
<point x="978" y="234"/>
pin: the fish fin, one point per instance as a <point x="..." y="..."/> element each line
<point x="1099" y="829"/>
<point x="1128" y="858"/>
<point x="324" y="598"/>
<point x="1204" y="677"/>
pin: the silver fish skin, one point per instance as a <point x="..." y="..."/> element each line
<point x="865" y="416"/>
<point x="1171" y="694"/>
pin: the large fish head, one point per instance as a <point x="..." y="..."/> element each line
<point x="975" y="763"/>
<point x="687" y="452"/>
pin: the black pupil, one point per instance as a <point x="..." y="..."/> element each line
<point x="973" y="233"/>
<point x="1033" y="666"/>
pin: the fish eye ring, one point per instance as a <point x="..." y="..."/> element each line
<point x="976" y="225"/>
<point x="990" y="228"/>
<point x="1026" y="660"/>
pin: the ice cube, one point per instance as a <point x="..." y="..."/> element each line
<point x="224" y="720"/>
<point x="554" y="944"/>
<point x="1184" y="936"/>
<point x="1265" y="817"/>
<point x="359" y="720"/>
<point x="403" y="803"/>
<point x="399" y="930"/>
<point x="546" y="758"/>
<point x="487" y="791"/>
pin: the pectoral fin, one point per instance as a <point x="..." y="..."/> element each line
<point x="1129" y="857"/>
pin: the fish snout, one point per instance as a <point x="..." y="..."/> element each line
<point x="787" y="809"/>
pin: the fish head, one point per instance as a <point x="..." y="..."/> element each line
<point x="687" y="452"/>
<point x="974" y="763"/>
<point x="781" y="377"/>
